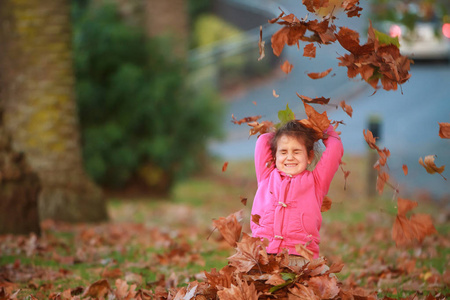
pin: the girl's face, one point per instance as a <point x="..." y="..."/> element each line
<point x="291" y="157"/>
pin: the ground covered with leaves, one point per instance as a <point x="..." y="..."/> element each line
<point x="170" y="249"/>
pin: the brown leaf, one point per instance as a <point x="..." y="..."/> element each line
<point x="263" y="127"/>
<point x="289" y="35"/>
<point x="275" y="279"/>
<point x="98" y="289"/>
<point x="309" y="50"/>
<point x="230" y="228"/>
<point x="324" y="286"/>
<point x="430" y="166"/>
<point x="242" y="291"/>
<point x="318" y="122"/>
<point x="261" y="44"/>
<point x="382" y="178"/>
<point x="404" y="206"/>
<point x="287" y="67"/>
<point x="314" y="5"/>
<point x="336" y="267"/>
<point x="124" y="291"/>
<point x="326" y="204"/>
<point x="347" y="108"/>
<point x="405" y="169"/>
<point x="255" y="219"/>
<point x="244" y="120"/>
<point x="112" y="273"/>
<point x="302" y="292"/>
<point x="406" y="231"/>
<point x="383" y="154"/>
<point x="303" y="251"/>
<point x="319" y="75"/>
<point x="274" y="20"/>
<point x="444" y="130"/>
<point x="368" y="136"/>
<point x="225" y="166"/>
<point x="222" y="278"/>
<point x="243" y="200"/>
<point x="250" y="251"/>
<point x="321" y="100"/>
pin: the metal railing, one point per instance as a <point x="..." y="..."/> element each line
<point x="208" y="64"/>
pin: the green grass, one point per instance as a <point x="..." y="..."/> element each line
<point x="152" y="237"/>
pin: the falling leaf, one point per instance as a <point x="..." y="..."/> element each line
<point x="405" y="169"/>
<point x="326" y="204"/>
<point x="255" y="219"/>
<point x="346" y="174"/>
<point x="383" y="156"/>
<point x="374" y="61"/>
<point x="319" y="75"/>
<point x="254" y="103"/>
<point x="368" y="136"/>
<point x="430" y="166"/>
<point x="261" y="44"/>
<point x="321" y="100"/>
<point x="225" y="166"/>
<point x="406" y="231"/>
<point x="275" y="94"/>
<point x="288" y="35"/>
<point x="243" y="200"/>
<point x="286" y="115"/>
<point x="309" y="50"/>
<point x="263" y="127"/>
<point x="244" y="120"/>
<point x="274" y="20"/>
<point x="287" y="67"/>
<point x="318" y="122"/>
<point x="347" y="108"/>
<point x="382" y="178"/>
<point x="230" y="228"/>
<point x="444" y="130"/>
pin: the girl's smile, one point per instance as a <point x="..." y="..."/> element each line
<point x="291" y="156"/>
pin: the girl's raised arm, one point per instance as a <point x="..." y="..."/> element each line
<point x="329" y="162"/>
<point x="263" y="156"/>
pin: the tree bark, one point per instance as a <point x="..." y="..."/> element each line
<point x="37" y="97"/>
<point x="19" y="191"/>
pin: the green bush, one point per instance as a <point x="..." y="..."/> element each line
<point x="134" y="106"/>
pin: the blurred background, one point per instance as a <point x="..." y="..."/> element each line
<point x="112" y="100"/>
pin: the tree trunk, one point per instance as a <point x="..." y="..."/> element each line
<point x="19" y="191"/>
<point x="37" y="86"/>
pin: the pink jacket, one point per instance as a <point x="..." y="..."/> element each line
<point x="290" y="206"/>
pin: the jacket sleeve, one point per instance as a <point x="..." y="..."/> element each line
<point x="263" y="157"/>
<point x="329" y="162"/>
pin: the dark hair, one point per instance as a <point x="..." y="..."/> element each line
<point x="295" y="129"/>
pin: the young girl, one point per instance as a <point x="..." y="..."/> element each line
<point x="289" y="197"/>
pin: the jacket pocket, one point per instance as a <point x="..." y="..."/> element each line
<point x="310" y="226"/>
